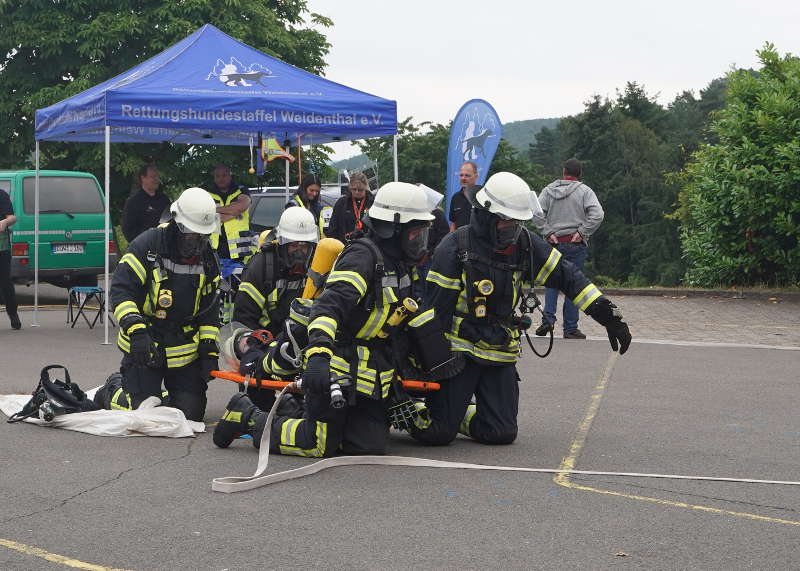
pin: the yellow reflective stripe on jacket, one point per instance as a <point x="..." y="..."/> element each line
<point x="209" y="332"/>
<point x="459" y="344"/>
<point x="377" y="317"/>
<point x="352" y="278"/>
<point x="325" y="324"/>
<point x="199" y="293"/>
<point x="548" y="267"/>
<point x="386" y="382"/>
<point x="443" y="281"/>
<point x="124" y="309"/>
<point x="422" y="318"/>
<point x="175" y="362"/>
<point x="253" y="292"/>
<point x="586" y="297"/>
<point x="135" y="265"/>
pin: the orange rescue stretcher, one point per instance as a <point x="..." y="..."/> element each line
<point x="277" y="384"/>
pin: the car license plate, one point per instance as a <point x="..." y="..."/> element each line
<point x="67" y="248"/>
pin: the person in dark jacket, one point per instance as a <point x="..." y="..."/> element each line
<point x="350" y="209"/>
<point x="351" y="332"/>
<point x="7" y="219"/>
<point x="480" y="274"/>
<point x="307" y="196"/>
<point x="164" y="299"/>
<point x="461" y="203"/>
<point x="143" y="209"/>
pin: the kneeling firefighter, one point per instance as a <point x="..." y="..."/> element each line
<point x="480" y="274"/>
<point x="164" y="295"/>
<point x="368" y="294"/>
<point x="274" y="277"/>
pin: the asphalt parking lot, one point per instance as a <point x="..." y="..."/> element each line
<point x="711" y="390"/>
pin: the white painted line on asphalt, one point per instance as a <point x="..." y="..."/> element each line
<point x="700" y="344"/>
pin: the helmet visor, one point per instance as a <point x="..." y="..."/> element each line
<point x="191" y="243"/>
<point x="506" y="232"/>
<point x="414" y="243"/>
<point x="297" y="255"/>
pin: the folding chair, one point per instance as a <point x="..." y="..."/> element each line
<point x="77" y="302"/>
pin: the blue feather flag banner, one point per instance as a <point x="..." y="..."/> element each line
<point x="474" y="136"/>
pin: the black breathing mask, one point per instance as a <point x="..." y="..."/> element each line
<point x="296" y="256"/>
<point x="504" y="232"/>
<point x="191" y="244"/>
<point x="414" y="242"/>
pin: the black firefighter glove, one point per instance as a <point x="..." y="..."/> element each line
<point x="317" y="374"/>
<point x="609" y="316"/>
<point x="142" y="347"/>
<point x="208" y="358"/>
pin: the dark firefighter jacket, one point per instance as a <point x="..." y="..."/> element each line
<point x="357" y="301"/>
<point x="343" y="219"/>
<point x="175" y="300"/>
<point x="266" y="292"/>
<point x="493" y="339"/>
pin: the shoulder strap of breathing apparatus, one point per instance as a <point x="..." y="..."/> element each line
<point x="374" y="296"/>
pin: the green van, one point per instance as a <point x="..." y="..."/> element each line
<point x="71" y="227"/>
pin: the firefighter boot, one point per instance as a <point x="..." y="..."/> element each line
<point x="239" y="418"/>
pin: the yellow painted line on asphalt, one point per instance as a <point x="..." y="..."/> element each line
<point x="569" y="461"/>
<point x="53" y="557"/>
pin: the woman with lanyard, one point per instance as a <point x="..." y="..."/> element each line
<point x="350" y="209"/>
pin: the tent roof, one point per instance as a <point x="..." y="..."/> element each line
<point x="212" y="89"/>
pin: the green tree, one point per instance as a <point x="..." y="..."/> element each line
<point x="740" y="204"/>
<point x="54" y="49"/>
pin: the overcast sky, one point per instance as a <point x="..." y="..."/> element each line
<point x="533" y="59"/>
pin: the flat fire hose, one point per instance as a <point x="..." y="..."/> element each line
<point x="232" y="484"/>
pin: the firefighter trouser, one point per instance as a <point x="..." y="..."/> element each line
<point x="323" y="431"/>
<point x="186" y="388"/>
<point x="491" y="420"/>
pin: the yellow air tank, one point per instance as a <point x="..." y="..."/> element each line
<point x="327" y="251"/>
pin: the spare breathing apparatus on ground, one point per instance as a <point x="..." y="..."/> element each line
<point x="53" y="398"/>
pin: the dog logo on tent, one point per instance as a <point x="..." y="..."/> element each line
<point x="236" y="74"/>
<point x="473" y="137"/>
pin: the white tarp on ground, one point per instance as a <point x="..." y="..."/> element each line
<point x="147" y="420"/>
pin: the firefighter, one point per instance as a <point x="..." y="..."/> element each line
<point x="164" y="298"/>
<point x="480" y="273"/>
<point x="351" y="330"/>
<point x="274" y="277"/>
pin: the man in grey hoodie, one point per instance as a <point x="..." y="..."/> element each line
<point x="572" y="213"/>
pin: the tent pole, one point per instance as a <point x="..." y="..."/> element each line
<point x="394" y="153"/>
<point x="36" y="242"/>
<point x="287" y="178"/>
<point x="106" y="291"/>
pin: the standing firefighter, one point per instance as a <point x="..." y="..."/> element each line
<point x="274" y="277"/>
<point x="479" y="276"/>
<point x="164" y="298"/>
<point x="351" y="331"/>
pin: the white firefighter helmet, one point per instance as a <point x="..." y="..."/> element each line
<point x="509" y="196"/>
<point x="195" y="211"/>
<point x="296" y="225"/>
<point x="400" y="202"/>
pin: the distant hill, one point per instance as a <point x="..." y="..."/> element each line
<point x="519" y="134"/>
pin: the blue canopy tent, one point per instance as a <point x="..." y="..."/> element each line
<point x="210" y="88"/>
